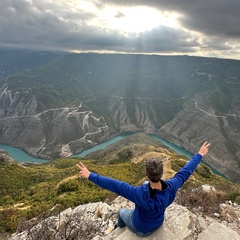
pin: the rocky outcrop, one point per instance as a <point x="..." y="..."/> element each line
<point x="96" y="221"/>
<point x="180" y="224"/>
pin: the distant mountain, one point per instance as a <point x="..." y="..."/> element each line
<point x="76" y="101"/>
<point x="14" y="61"/>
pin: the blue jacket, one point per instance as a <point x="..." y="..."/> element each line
<point x="148" y="214"/>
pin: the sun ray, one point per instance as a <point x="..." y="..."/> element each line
<point x="136" y="19"/>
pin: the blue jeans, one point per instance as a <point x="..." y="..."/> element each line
<point x="125" y="219"/>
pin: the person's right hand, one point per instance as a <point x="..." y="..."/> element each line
<point x="204" y="149"/>
<point x="84" y="172"/>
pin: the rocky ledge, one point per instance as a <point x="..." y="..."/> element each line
<point x="96" y="221"/>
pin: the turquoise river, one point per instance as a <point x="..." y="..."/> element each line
<point x="21" y="156"/>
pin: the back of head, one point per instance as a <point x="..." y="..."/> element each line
<point x="154" y="169"/>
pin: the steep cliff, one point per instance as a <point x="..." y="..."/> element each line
<point x="198" y="122"/>
<point x="51" y="133"/>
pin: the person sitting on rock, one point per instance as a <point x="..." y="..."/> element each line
<point x="152" y="198"/>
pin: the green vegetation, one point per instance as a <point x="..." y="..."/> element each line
<point x="30" y="191"/>
<point x="221" y="98"/>
<point x="203" y="175"/>
<point x="126" y="149"/>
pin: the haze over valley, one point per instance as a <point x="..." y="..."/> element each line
<point x="55" y="104"/>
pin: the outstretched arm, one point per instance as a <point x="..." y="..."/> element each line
<point x="184" y="173"/>
<point x="118" y="187"/>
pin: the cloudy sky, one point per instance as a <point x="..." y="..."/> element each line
<point x="201" y="28"/>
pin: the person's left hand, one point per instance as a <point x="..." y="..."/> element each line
<point x="84" y="172"/>
<point x="204" y="149"/>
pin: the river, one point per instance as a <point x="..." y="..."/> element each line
<point x="170" y="145"/>
<point x="21" y="156"/>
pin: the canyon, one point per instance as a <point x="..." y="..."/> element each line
<point x="71" y="102"/>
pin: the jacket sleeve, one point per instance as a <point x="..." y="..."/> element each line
<point x="184" y="173"/>
<point x="118" y="187"/>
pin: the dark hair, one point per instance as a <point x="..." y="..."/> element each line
<point x="154" y="169"/>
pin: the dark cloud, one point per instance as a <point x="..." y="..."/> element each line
<point x="56" y="25"/>
<point x="23" y="23"/>
<point x="165" y="39"/>
<point x="213" y="17"/>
